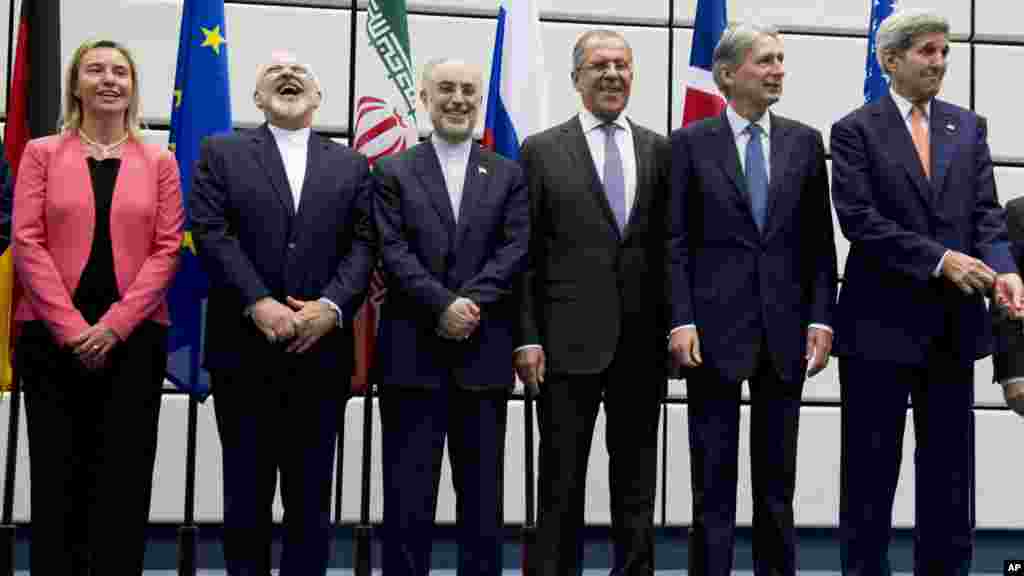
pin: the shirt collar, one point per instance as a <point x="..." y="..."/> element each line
<point x="738" y="123"/>
<point x="300" y="136"/>
<point x="589" y="121"/>
<point x="446" y="149"/>
<point x="904" y="106"/>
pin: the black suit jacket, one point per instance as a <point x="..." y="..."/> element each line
<point x="253" y="244"/>
<point x="430" y="259"/>
<point x="589" y="292"/>
<point x="1008" y="359"/>
<point x="736" y="283"/>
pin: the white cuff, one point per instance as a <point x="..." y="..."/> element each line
<point x="334" y="307"/>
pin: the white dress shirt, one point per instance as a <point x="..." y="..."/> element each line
<point x="741" y="136"/>
<point x="623" y="139"/>
<point x="453" y="159"/>
<point x="293" y="146"/>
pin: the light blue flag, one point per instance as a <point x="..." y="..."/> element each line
<point x="201" y="106"/>
<point x="876" y="82"/>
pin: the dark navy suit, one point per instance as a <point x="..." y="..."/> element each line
<point x="900" y="330"/>
<point x="435" y="387"/>
<point x="278" y="410"/>
<point x="751" y="294"/>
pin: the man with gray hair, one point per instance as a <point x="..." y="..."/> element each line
<point x="593" y="309"/>
<point x="282" y="225"/>
<point x="752" y="282"/>
<point x="914" y="191"/>
<point x="453" y="220"/>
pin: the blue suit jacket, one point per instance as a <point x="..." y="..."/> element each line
<point x="252" y="242"/>
<point x="899" y="224"/>
<point x="739" y="285"/>
<point x="429" y="260"/>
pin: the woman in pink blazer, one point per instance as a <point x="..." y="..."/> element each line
<point x="97" y="231"/>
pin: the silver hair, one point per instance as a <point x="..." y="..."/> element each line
<point x="897" y="33"/>
<point x="736" y="43"/>
<point x="580" y="48"/>
<point x="427" y="76"/>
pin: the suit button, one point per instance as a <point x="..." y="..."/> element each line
<point x="291" y="245"/>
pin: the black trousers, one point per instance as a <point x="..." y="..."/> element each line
<point x="714" y="423"/>
<point x="92" y="439"/>
<point x="567" y="409"/>
<point x="415" y="424"/>
<point x="277" y="415"/>
<point x="874" y="399"/>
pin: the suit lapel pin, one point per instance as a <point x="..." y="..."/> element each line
<point x="950" y="127"/>
<point x="482" y="169"/>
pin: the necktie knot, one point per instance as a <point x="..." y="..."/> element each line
<point x="754" y="130"/>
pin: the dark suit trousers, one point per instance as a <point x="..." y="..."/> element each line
<point x="567" y="409"/>
<point x="874" y="398"/>
<point x="714" y="423"/>
<point x="92" y="438"/>
<point x="280" y="414"/>
<point x="415" y="423"/>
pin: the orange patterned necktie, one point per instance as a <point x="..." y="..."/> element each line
<point x="919" y="133"/>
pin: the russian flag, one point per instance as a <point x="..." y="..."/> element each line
<point x="517" y="96"/>
<point x="702" y="98"/>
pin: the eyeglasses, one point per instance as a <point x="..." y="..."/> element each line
<point x="600" y="68"/>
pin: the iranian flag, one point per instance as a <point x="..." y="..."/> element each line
<point x="385" y="124"/>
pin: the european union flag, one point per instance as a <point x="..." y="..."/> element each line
<point x="876" y="82"/>
<point x="201" y="106"/>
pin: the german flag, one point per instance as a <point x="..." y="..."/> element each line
<point x="33" y="110"/>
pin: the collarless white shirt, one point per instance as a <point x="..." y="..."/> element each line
<point x="741" y="136"/>
<point x="453" y="159"/>
<point x="623" y="139"/>
<point x="294" y="147"/>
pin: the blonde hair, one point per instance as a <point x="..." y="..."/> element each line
<point x="72" y="117"/>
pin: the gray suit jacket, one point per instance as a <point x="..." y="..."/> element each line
<point x="591" y="293"/>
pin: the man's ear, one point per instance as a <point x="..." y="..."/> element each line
<point x="257" y="98"/>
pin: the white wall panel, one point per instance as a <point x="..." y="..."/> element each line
<point x="997" y="101"/>
<point x="999" y="469"/>
<point x="1009" y="183"/>
<point x="649" y="97"/>
<point x="5" y="10"/>
<point x="824" y="15"/>
<point x="22" y="490"/>
<point x="319" y="37"/>
<point x="209" y="466"/>
<point x="168" y="500"/>
<point x="998" y="20"/>
<point x="352" y="464"/>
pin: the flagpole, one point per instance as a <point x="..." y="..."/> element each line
<point x="188" y="532"/>
<point x="362" y="562"/>
<point x="529" y="527"/>
<point x="8" y="529"/>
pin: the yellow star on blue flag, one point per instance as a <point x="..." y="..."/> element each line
<point x="200" y="106"/>
<point x="213" y="38"/>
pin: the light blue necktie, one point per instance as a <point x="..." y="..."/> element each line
<point x="757" y="176"/>
<point x="614" y="181"/>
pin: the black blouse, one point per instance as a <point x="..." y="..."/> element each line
<point x="97" y="289"/>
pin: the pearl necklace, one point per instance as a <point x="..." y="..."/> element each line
<point x="105" y="150"/>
